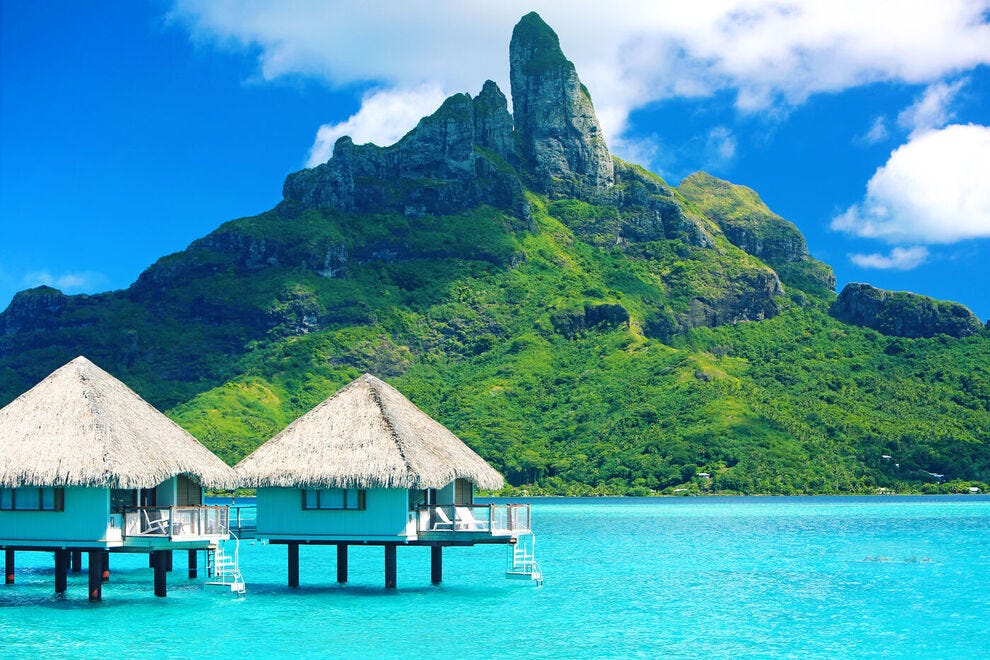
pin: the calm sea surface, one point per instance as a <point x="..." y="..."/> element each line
<point x="821" y="577"/>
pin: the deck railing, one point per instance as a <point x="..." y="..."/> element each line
<point x="176" y="522"/>
<point x="494" y="519"/>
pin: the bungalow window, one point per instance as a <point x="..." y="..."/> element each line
<point x="32" y="499"/>
<point x="334" y="499"/>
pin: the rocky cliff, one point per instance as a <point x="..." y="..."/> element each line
<point x="558" y="138"/>
<point x="472" y="151"/>
<point x="903" y="314"/>
<point x="31" y="310"/>
<point x="455" y="159"/>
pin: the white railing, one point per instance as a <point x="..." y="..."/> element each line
<point x="175" y="522"/>
<point x="480" y="518"/>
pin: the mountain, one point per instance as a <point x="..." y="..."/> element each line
<point x="583" y="325"/>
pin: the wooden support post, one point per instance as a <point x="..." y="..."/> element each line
<point x="77" y="561"/>
<point x="436" y="564"/>
<point x="342" y="563"/>
<point x="168" y="561"/>
<point x="105" y="564"/>
<point x="61" y="566"/>
<point x="390" y="566"/>
<point x="95" y="562"/>
<point x="151" y="560"/>
<point x="293" y="563"/>
<point x="8" y="570"/>
<point x="193" y="564"/>
<point x="160" y="560"/>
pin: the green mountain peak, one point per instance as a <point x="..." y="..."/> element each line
<point x="584" y="326"/>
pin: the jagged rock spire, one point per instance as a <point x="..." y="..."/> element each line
<point x="455" y="159"/>
<point x="558" y="138"/>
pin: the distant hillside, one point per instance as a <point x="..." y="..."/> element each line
<point x="582" y="324"/>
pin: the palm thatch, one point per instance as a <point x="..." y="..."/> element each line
<point x="80" y="426"/>
<point x="367" y="435"/>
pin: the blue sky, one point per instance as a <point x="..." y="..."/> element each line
<point x="128" y="130"/>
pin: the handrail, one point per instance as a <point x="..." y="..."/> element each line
<point x="498" y="518"/>
<point x="177" y="521"/>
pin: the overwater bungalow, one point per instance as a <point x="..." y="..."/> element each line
<point x="367" y="467"/>
<point x="86" y="465"/>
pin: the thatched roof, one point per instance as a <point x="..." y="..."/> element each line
<point x="80" y="426"/>
<point x="367" y="435"/>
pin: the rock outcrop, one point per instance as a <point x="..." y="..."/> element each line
<point x="559" y="141"/>
<point x="650" y="211"/>
<point x="455" y="159"/>
<point x="32" y="309"/>
<point x="751" y="226"/>
<point x="903" y="314"/>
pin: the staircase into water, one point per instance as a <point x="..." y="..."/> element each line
<point x="521" y="564"/>
<point x="222" y="567"/>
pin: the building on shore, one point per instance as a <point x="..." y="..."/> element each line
<point x="88" y="466"/>
<point x="367" y="467"/>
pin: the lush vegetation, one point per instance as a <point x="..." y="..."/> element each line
<point x="533" y="346"/>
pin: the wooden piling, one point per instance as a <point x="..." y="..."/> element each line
<point x="8" y="570"/>
<point x="342" y="563"/>
<point x="293" y="563"/>
<point x="61" y="566"/>
<point x="390" y="566"/>
<point x="168" y="560"/>
<point x="105" y="564"/>
<point x="193" y="564"/>
<point x="77" y="561"/>
<point x="95" y="561"/>
<point x="436" y="564"/>
<point x="160" y="560"/>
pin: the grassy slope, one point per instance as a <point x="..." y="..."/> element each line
<point x="467" y="324"/>
<point x="800" y="403"/>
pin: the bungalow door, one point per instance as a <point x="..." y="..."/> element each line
<point x="188" y="491"/>
<point x="463" y="492"/>
<point x="148" y="497"/>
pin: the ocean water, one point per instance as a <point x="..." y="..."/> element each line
<point x="821" y="577"/>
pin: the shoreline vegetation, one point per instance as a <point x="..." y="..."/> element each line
<point x="535" y="491"/>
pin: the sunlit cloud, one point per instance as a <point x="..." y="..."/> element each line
<point x="932" y="110"/>
<point x="931" y="190"/>
<point x="384" y="117"/>
<point x="721" y="145"/>
<point x="771" y="54"/>
<point x="77" y="282"/>
<point x="878" y="131"/>
<point x="898" y="259"/>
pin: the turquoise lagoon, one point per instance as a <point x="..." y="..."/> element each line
<point x="809" y="577"/>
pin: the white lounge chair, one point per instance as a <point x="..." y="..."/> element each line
<point x="441" y="522"/>
<point x="156" y="527"/>
<point x="466" y="522"/>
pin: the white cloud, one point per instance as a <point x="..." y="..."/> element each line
<point x="770" y="53"/>
<point x="899" y="258"/>
<point x="931" y="190"/>
<point x="932" y="110"/>
<point x="384" y="117"/>
<point x="66" y="282"/>
<point x="721" y="144"/>
<point x="878" y="131"/>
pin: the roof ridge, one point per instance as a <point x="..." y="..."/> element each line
<point x="390" y="424"/>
